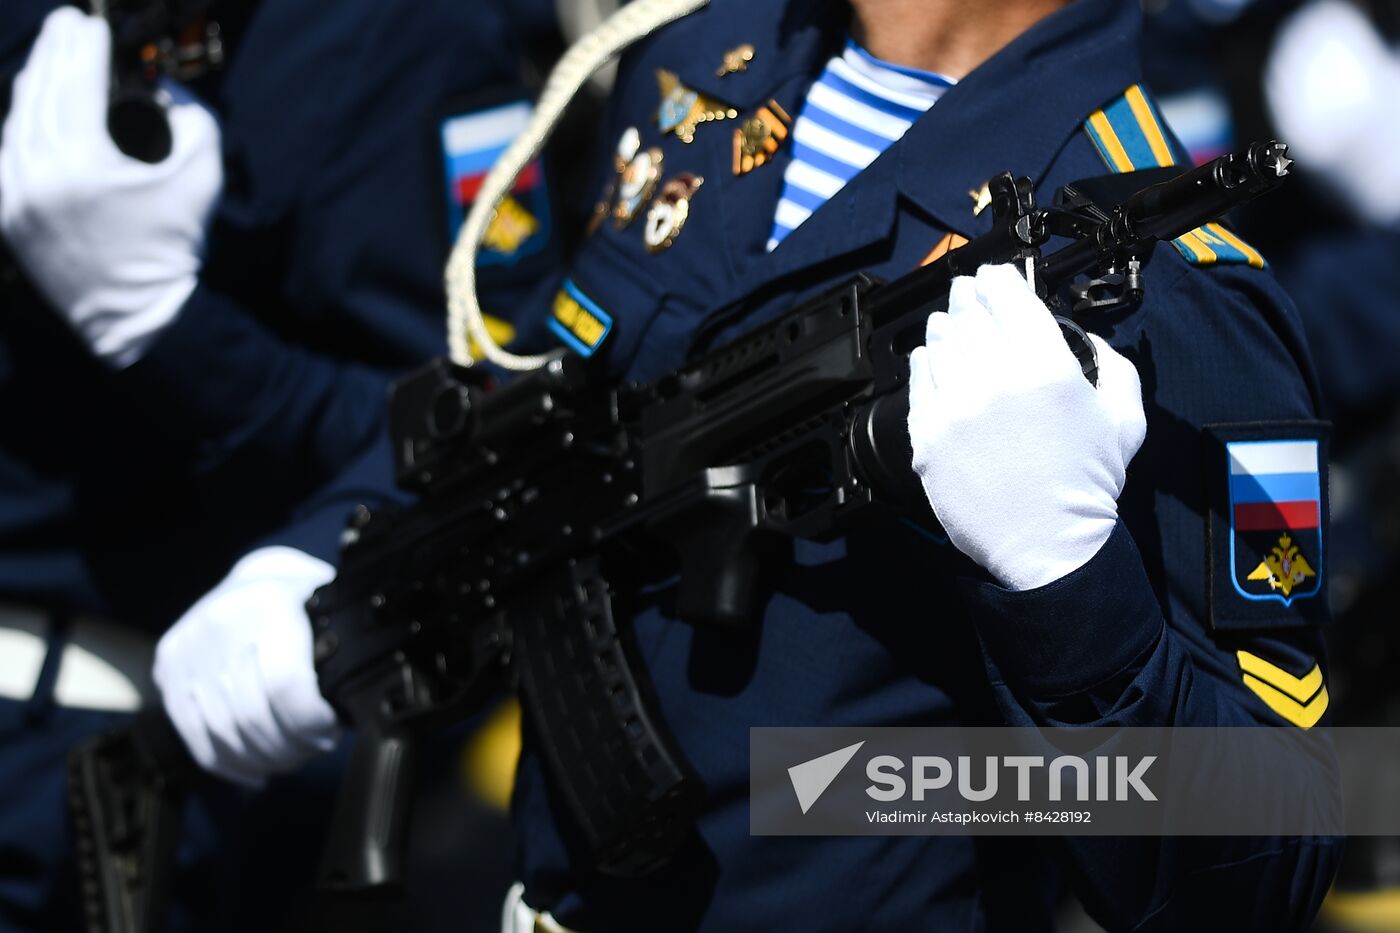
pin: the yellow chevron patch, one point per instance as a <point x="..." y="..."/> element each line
<point x="1300" y="701"/>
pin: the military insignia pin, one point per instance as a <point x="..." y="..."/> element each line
<point x="758" y="137"/>
<point x="683" y="109"/>
<point x="981" y="199"/>
<point x="635" y="185"/>
<point x="1275" y="519"/>
<point x="627" y="146"/>
<point x="736" y="59"/>
<point x="669" y="211"/>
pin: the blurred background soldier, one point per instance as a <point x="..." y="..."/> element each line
<point x="194" y="356"/>
<point x="1324" y="75"/>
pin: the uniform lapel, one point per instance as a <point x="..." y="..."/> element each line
<point x="1014" y="113"/>
<point x="790" y="49"/>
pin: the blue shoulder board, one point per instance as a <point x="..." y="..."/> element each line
<point x="1128" y="134"/>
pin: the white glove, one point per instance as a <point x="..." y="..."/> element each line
<point x="113" y="243"/>
<point x="1021" y="458"/>
<point x="236" y="672"/>
<point x="1331" y="84"/>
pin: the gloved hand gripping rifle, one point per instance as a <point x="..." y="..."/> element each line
<point x="540" y="501"/>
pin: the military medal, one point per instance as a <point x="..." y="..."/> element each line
<point x="627" y="146"/>
<point x="736" y="59"/>
<point x="683" y="109"/>
<point x="758" y="137"/>
<point x="635" y="185"/>
<point x="669" y="211"/>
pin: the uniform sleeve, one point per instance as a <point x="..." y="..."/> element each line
<point x="1140" y="635"/>
<point x="230" y="395"/>
<point x="318" y="523"/>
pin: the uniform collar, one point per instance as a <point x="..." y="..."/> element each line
<point x="795" y="42"/>
<point x="1016" y="110"/>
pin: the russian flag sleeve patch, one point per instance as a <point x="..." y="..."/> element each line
<point x="471" y="143"/>
<point x="1267" y="525"/>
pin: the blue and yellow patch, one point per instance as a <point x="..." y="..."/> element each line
<point x="1129" y="136"/>
<point x="578" y="320"/>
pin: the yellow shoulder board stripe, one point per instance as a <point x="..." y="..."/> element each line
<point x="1128" y="135"/>
<point x="1300" y="701"/>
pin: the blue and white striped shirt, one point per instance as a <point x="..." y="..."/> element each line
<point x="855" y="110"/>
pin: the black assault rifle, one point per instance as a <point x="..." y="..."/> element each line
<point x="153" y="39"/>
<point x="543" y="503"/>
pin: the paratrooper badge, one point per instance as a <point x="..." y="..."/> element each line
<point x="683" y="109"/>
<point x="669" y="211"/>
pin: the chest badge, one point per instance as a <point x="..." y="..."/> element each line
<point x="683" y="109"/>
<point x="758" y="137"/>
<point x="736" y="59"/>
<point x="627" y="146"/>
<point x="635" y="185"/>
<point x="669" y="211"/>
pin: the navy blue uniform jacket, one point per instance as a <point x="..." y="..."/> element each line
<point x="888" y="628"/>
<point x="256" y="417"/>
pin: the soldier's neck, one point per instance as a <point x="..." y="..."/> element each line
<point x="951" y="37"/>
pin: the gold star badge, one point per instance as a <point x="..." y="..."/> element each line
<point x="980" y="199"/>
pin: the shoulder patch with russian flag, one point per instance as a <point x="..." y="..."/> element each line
<point x="1268" y="525"/>
<point x="1129" y="134"/>
<point x="471" y="144"/>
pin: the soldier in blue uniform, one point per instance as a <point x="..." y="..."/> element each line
<point x="1167" y="612"/>
<point x="1141" y="594"/>
<point x="141" y="461"/>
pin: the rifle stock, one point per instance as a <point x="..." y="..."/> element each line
<point x="126" y="789"/>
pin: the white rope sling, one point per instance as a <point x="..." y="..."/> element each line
<point x="465" y="323"/>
